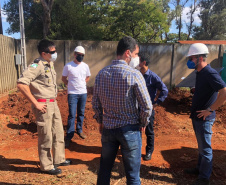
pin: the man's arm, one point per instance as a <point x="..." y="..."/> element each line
<point x="221" y="98"/>
<point x="64" y="79"/>
<point x="87" y="79"/>
<point x="163" y="91"/>
<point x="97" y="106"/>
<point x="144" y="101"/>
<point x="27" y="93"/>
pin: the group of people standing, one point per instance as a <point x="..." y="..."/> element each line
<point x="124" y="100"/>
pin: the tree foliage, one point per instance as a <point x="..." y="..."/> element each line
<point x="174" y="37"/>
<point x="213" y="16"/>
<point x="144" y="20"/>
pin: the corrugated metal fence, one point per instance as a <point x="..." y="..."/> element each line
<point x="8" y="69"/>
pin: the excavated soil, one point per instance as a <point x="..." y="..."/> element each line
<point x="175" y="145"/>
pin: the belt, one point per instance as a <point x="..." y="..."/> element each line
<point x="46" y="100"/>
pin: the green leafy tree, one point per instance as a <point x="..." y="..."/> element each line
<point x="193" y="8"/>
<point x="174" y="37"/>
<point x="144" y="20"/>
<point x="179" y="6"/>
<point x="170" y="16"/>
<point x="37" y="18"/>
<point x="213" y="16"/>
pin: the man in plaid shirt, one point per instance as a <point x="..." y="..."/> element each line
<point x="122" y="107"/>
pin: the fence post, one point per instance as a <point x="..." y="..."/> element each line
<point x="66" y="51"/>
<point x="171" y="69"/>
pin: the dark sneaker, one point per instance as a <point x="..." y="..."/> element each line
<point x="82" y="135"/>
<point x="54" y="171"/>
<point x="67" y="143"/>
<point x="67" y="162"/>
<point x="192" y="171"/>
<point x="147" y="157"/>
<point x="201" y="182"/>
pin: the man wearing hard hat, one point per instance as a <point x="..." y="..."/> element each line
<point x="75" y="75"/>
<point x="210" y="93"/>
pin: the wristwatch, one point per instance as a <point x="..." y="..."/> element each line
<point x="209" y="109"/>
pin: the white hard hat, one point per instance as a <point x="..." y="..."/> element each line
<point x="80" y="49"/>
<point x="197" y="49"/>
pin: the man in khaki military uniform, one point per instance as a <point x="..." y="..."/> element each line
<point x="38" y="84"/>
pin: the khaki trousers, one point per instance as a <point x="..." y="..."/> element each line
<point x="50" y="136"/>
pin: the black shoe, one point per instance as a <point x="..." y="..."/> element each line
<point x="192" y="171"/>
<point x="54" y="171"/>
<point x="147" y="157"/>
<point x="67" y="162"/>
<point x="201" y="182"/>
<point x="82" y="135"/>
<point x="67" y="143"/>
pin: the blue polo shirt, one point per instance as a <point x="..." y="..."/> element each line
<point x="154" y="83"/>
<point x="208" y="83"/>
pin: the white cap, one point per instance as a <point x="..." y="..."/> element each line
<point x="197" y="49"/>
<point x="80" y="49"/>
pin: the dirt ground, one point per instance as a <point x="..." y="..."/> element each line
<point x="175" y="145"/>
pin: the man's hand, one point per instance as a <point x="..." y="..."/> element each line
<point x="41" y="107"/>
<point x="101" y="126"/>
<point x="142" y="129"/>
<point x="203" y="113"/>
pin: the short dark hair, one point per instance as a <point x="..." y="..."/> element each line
<point x="126" y="43"/>
<point x="44" y="45"/>
<point x="145" y="57"/>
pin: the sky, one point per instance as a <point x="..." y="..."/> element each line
<point x="185" y="20"/>
<point x="5" y="24"/>
<point x="173" y="29"/>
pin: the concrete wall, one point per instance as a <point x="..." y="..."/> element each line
<point x="97" y="56"/>
<point x="167" y="60"/>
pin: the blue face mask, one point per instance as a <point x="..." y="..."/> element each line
<point x="191" y="64"/>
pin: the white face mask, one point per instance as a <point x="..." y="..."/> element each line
<point x="53" y="57"/>
<point x="134" y="63"/>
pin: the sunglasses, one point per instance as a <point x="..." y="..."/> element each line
<point x="51" y="52"/>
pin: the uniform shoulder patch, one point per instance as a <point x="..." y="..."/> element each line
<point x="36" y="60"/>
<point x="34" y="65"/>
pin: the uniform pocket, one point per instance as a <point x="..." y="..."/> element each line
<point x="41" y="118"/>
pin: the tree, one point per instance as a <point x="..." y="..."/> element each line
<point x="46" y="18"/>
<point x="90" y="20"/>
<point x="173" y="37"/>
<point x="193" y="8"/>
<point x="143" y="20"/>
<point x="170" y="14"/>
<point x="36" y="24"/>
<point x="179" y="6"/>
<point x="213" y="16"/>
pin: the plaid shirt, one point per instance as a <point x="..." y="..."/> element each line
<point x="118" y="92"/>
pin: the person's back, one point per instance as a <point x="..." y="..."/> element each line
<point x="118" y="92"/>
<point x="116" y="89"/>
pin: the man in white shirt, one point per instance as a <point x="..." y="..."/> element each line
<point x="75" y="75"/>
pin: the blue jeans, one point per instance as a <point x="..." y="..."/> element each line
<point x="203" y="132"/>
<point x="75" y="101"/>
<point x="129" y="138"/>
<point x="149" y="132"/>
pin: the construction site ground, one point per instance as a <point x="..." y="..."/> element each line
<point x="175" y="145"/>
